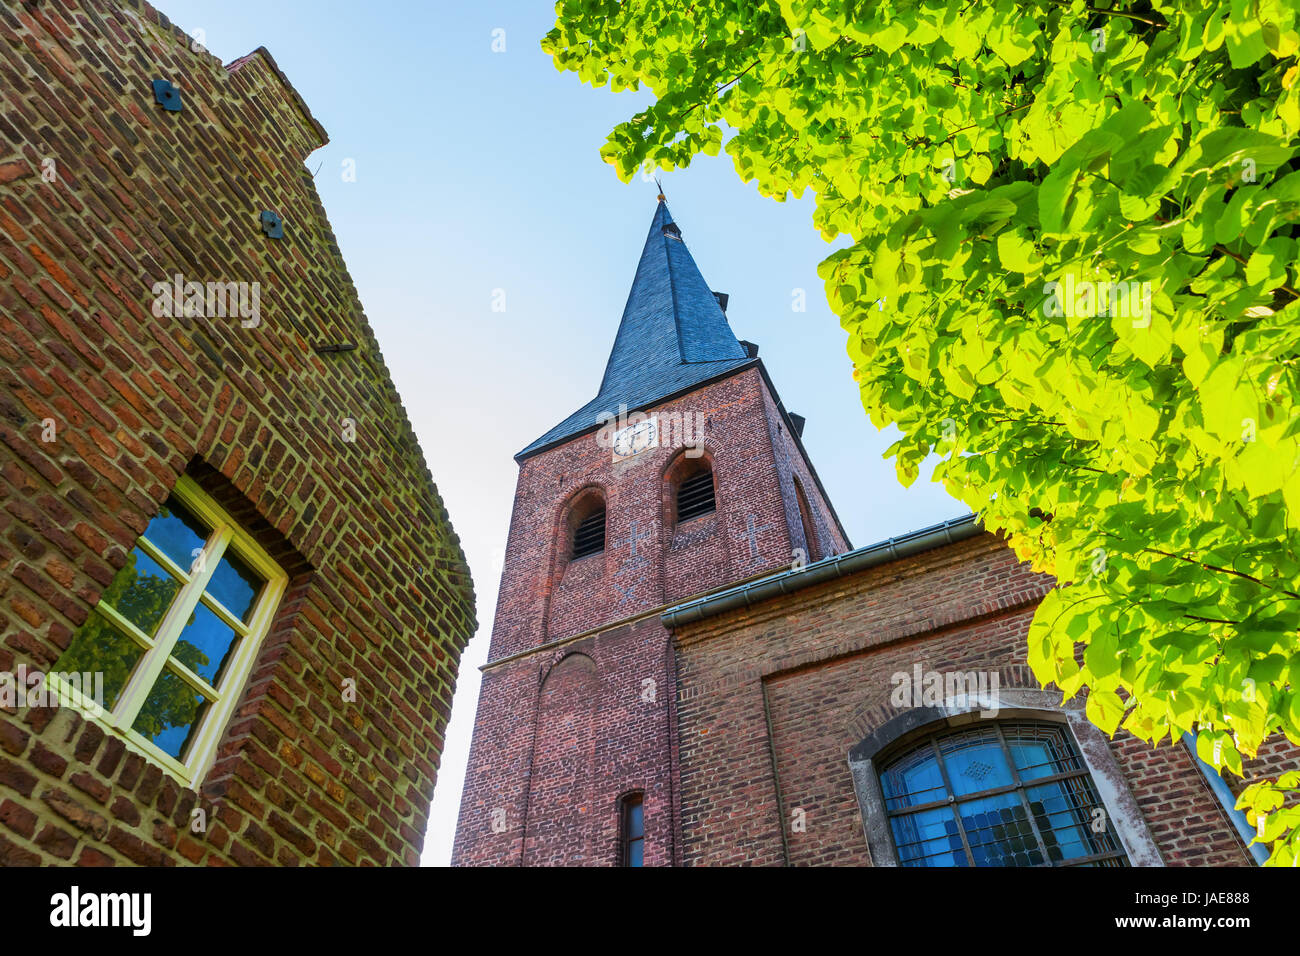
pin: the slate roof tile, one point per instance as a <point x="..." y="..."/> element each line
<point x="673" y="335"/>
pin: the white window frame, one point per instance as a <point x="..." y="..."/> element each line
<point x="225" y="535"/>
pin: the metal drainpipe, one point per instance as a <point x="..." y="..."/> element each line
<point x="1228" y="802"/>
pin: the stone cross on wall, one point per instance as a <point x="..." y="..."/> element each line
<point x="637" y="559"/>
<point x="752" y="530"/>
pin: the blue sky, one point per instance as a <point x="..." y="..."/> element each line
<point x="479" y="171"/>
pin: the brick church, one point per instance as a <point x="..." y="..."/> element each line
<point x="691" y="665"/>
<point x="231" y="602"/>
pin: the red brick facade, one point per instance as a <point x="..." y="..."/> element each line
<point x="768" y="698"/>
<point x="773" y="698"/>
<point x="102" y="194"/>
<point x="550" y="606"/>
<point x="749" y="696"/>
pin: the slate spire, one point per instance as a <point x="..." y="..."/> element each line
<point x="673" y="335"/>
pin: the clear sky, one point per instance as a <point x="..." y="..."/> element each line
<point x="479" y="171"/>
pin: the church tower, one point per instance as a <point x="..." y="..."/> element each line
<point x="684" y="476"/>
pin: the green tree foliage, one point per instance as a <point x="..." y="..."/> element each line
<point x="1073" y="278"/>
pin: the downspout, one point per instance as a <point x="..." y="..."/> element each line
<point x="1229" y="803"/>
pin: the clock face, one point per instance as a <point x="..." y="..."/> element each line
<point x="635" y="439"/>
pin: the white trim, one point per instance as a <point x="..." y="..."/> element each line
<point x="156" y="651"/>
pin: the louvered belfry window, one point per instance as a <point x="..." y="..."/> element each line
<point x="695" y="496"/>
<point x="589" y="538"/>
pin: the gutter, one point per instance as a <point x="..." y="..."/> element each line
<point x="830" y="569"/>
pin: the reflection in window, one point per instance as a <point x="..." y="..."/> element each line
<point x="235" y="585"/>
<point x="170" y="714"/>
<point x="142" y="591"/>
<point x="1012" y="794"/>
<point x="177" y="533"/>
<point x="633" y="826"/>
<point x="175" y="630"/>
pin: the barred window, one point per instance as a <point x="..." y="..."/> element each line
<point x="176" y="632"/>
<point x="1002" y="794"/>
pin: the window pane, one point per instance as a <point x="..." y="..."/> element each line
<point x="205" y="644"/>
<point x="99" y="648"/>
<point x="1041" y="752"/>
<point x="170" y="714"/>
<point x="928" y="838"/>
<point x="975" y="762"/>
<point x="142" y="591"/>
<point x="913" y="780"/>
<point x="999" y="833"/>
<point x="635" y="854"/>
<point x="635" y="821"/>
<point x="1044" y="824"/>
<point x="177" y="533"/>
<point x="1065" y="814"/>
<point x="235" y="585"/>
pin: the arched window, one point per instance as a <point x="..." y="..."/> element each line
<point x="587" y="521"/>
<point x="695" y="493"/>
<point x="997" y="794"/>
<point x="632" y="830"/>
<point x="809" y="528"/>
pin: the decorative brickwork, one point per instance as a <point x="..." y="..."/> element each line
<point x="106" y="402"/>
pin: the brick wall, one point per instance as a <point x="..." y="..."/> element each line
<point x="561" y="736"/>
<point x="544" y="597"/>
<point x="816" y="667"/>
<point x="532" y="732"/>
<point x="102" y="194"/>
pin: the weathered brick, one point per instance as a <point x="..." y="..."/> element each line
<point x="72" y="810"/>
<point x="250" y="412"/>
<point x="17" y="818"/>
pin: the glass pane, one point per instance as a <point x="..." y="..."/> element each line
<point x="635" y="821"/>
<point x="235" y="585"/>
<point x="913" y="780"/>
<point x="636" y="853"/>
<point x="999" y="832"/>
<point x="99" y="648"/>
<point x="928" y="838"/>
<point x="177" y="533"/>
<point x="1041" y="752"/>
<point x="142" y="591"/>
<point x="975" y="762"/>
<point x="170" y="714"/>
<point x="1071" y="819"/>
<point x="204" y="644"/>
